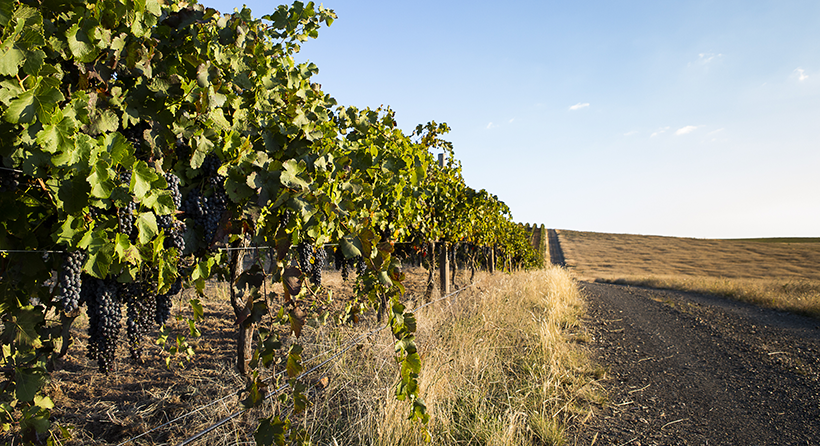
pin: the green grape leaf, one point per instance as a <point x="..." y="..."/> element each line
<point x="289" y="177"/>
<point x="27" y="383"/>
<point x="21" y="328"/>
<point x="70" y="230"/>
<point x="271" y="431"/>
<point x="6" y="10"/>
<point x="98" y="263"/>
<point x="237" y="190"/>
<point x="104" y="122"/>
<point x="120" y="150"/>
<point x="35" y="419"/>
<point x="420" y="412"/>
<point x="146" y="223"/>
<point x="255" y="393"/>
<point x="100" y="180"/>
<point x="38" y="101"/>
<point x="351" y="246"/>
<point x="126" y="252"/>
<point x="143" y="176"/>
<point x="204" y="146"/>
<point x="294" y="362"/>
<point x="161" y="201"/>
<point x="167" y="268"/>
<point x="74" y="193"/>
<point x="34" y="62"/>
<point x="11" y="58"/>
<point x="57" y="137"/>
<point x="80" y="44"/>
<point x="43" y="402"/>
<point x="196" y="307"/>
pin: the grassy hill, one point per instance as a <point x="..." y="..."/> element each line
<point x="781" y="273"/>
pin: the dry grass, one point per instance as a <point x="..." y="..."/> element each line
<point x="504" y="364"/>
<point x="780" y="275"/>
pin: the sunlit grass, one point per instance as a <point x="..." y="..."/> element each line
<point x="504" y="364"/>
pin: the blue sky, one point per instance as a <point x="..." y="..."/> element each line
<point x="688" y="118"/>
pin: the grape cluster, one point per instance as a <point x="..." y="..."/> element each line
<point x="339" y="258"/>
<point x="70" y="281"/>
<point x="9" y="180"/>
<point x="344" y="264"/>
<point x="164" y="302"/>
<point x="94" y="213"/>
<point x="305" y="252"/>
<point x="104" y="314"/>
<point x="174" y="231"/>
<point x="135" y="135"/>
<point x="205" y="209"/>
<point x="319" y="262"/>
<point x="345" y="271"/>
<point x="141" y="310"/>
<point x="173" y="187"/>
<point x="127" y="215"/>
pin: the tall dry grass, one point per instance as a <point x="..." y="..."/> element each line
<point x="503" y="364"/>
<point x="776" y="274"/>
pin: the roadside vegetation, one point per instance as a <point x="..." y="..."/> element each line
<point x="782" y="274"/>
<point x="504" y="364"/>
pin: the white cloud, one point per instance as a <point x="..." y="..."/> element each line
<point x="511" y="120"/>
<point x="801" y="74"/>
<point x="579" y="106"/>
<point x="491" y="126"/>
<point x="659" y="131"/>
<point x="685" y="130"/>
<point x="633" y="132"/>
<point x="715" y="132"/>
<point x="705" y="58"/>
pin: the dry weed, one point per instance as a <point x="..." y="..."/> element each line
<point x="502" y="366"/>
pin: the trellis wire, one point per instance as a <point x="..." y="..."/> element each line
<point x="347" y="347"/>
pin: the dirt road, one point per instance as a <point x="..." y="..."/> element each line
<point x="690" y="369"/>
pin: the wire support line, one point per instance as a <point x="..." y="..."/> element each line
<point x="349" y="345"/>
<point x="252" y="248"/>
<point x="205" y="406"/>
<point x="281" y="388"/>
<point x="32" y="251"/>
<point x="11" y="170"/>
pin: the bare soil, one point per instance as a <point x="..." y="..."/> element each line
<point x="691" y="369"/>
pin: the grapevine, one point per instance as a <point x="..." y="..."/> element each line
<point x="143" y="139"/>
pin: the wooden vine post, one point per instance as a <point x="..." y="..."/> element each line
<point x="444" y="262"/>
<point x="444" y="271"/>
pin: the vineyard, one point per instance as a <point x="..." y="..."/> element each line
<point x="155" y="150"/>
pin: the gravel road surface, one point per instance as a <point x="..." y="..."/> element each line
<point x="690" y="369"/>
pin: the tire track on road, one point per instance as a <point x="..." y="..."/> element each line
<point x="686" y="368"/>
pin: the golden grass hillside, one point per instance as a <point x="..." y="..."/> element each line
<point x="781" y="274"/>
